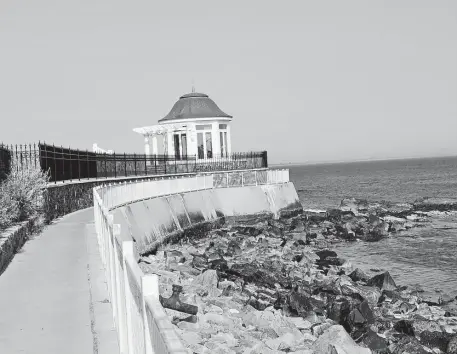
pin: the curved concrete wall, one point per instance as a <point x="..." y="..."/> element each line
<point x="151" y="222"/>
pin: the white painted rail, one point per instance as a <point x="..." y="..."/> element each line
<point x="141" y="322"/>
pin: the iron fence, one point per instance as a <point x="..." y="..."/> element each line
<point x="64" y="164"/>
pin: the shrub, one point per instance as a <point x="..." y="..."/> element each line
<point x="21" y="194"/>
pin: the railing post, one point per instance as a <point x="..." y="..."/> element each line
<point x="63" y="163"/>
<point x="55" y="165"/>
<point x="155" y="163"/>
<point x="125" y="164"/>
<point x="145" y="165"/>
<point x="149" y="287"/>
<point x="71" y="167"/>
<point x="87" y="163"/>
<point x="115" y="165"/>
<point x="79" y="167"/>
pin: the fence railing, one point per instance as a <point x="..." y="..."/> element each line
<point x="140" y="320"/>
<point x="65" y="164"/>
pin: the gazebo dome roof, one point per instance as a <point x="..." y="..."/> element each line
<point x="194" y="105"/>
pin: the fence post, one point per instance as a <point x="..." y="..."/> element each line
<point x="115" y="165"/>
<point x="134" y="160"/>
<point x="55" y="165"/>
<point x="155" y="163"/>
<point x="87" y="162"/>
<point x="145" y="165"/>
<point x="71" y="167"/>
<point x="106" y="171"/>
<point x="79" y="166"/>
<point x="63" y="163"/>
<point x="125" y="164"/>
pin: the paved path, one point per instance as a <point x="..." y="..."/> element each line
<point x="53" y="296"/>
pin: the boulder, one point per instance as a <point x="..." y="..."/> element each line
<point x="299" y="304"/>
<point x="207" y="279"/>
<point x="358" y="275"/>
<point x="452" y="345"/>
<point x="409" y="345"/>
<point x="440" y="204"/>
<point x="336" y="340"/>
<point x="360" y="317"/>
<point x="383" y="281"/>
<point x="376" y="343"/>
<point x="355" y="205"/>
<point x="338" y="310"/>
<point x="405" y="327"/>
<point x="438" y="340"/>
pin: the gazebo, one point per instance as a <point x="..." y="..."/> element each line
<point x="195" y="127"/>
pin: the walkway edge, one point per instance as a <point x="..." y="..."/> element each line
<point x="105" y="339"/>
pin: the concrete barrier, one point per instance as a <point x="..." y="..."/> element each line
<point x="127" y="224"/>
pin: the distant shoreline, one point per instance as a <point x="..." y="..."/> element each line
<point x="358" y="161"/>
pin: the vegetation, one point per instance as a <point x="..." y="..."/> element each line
<point x="21" y="194"/>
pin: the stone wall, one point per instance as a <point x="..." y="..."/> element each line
<point x="13" y="238"/>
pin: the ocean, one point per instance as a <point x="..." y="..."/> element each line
<point x="425" y="256"/>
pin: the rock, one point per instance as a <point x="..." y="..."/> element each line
<point x="207" y="279"/>
<point x="226" y="338"/>
<point x="336" y="340"/>
<point x="438" y="340"/>
<point x="300" y="322"/>
<point x="297" y="225"/>
<point x="199" y="262"/>
<point x="354" y="205"/>
<point x="217" y="319"/>
<point x="320" y="328"/>
<point x="404" y="326"/>
<point x="358" y="275"/>
<point x="218" y="264"/>
<point x="323" y="254"/>
<point x="233" y="248"/>
<point x="440" y="204"/>
<point x="420" y="326"/>
<point x="338" y="310"/>
<point x="409" y="345"/>
<point x="383" y="281"/>
<point x="360" y="317"/>
<point x="191" y="338"/>
<point x="376" y="343"/>
<point x="299" y="304"/>
<point x="452" y="345"/>
<point x="283" y="343"/>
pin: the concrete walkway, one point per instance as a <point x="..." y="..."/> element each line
<point x="53" y="295"/>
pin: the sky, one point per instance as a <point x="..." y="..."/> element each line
<point x="308" y="81"/>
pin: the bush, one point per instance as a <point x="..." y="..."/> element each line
<point x="21" y="194"/>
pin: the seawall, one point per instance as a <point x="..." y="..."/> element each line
<point x="138" y="217"/>
<point x="154" y="221"/>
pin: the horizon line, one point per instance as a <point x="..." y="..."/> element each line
<point x="325" y="162"/>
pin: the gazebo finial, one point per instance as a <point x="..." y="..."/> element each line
<point x="193" y="86"/>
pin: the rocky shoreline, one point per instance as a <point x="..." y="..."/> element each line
<point x="269" y="286"/>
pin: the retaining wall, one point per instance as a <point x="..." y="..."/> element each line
<point x="126" y="224"/>
<point x="154" y="221"/>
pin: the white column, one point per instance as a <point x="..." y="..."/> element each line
<point x="154" y="145"/>
<point x="146" y="145"/>
<point x="170" y="150"/>
<point x="216" y="139"/>
<point x="229" y="140"/>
